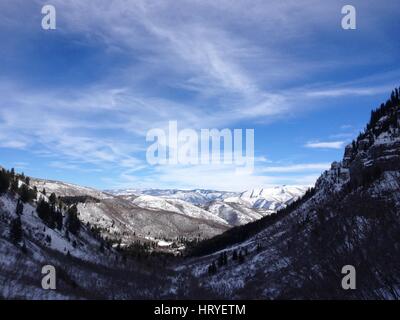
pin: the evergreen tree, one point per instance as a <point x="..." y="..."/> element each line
<point x="16" y="231"/>
<point x="53" y="199"/>
<point x="73" y="223"/>
<point x="4" y="181"/>
<point x="241" y="257"/>
<point x="20" y="208"/>
<point x="212" y="269"/>
<point x="58" y="219"/>
<point x="234" y="255"/>
<point x="45" y="213"/>
<point x="14" y="185"/>
<point x="24" y="249"/>
<point x="27" y="194"/>
<point x="225" y="259"/>
<point x="220" y="260"/>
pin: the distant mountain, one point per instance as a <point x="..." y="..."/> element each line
<point x="175" y="205"/>
<point x="232" y="208"/>
<point x="197" y="197"/>
<point x="351" y="217"/>
<point x="118" y="217"/>
<point x="271" y="199"/>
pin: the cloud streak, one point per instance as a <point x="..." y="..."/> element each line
<point x="325" y="145"/>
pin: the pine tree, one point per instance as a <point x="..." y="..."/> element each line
<point x="220" y="260"/>
<point x="27" y="195"/>
<point x="45" y="213"/>
<point x="14" y="186"/>
<point x="24" y="248"/>
<point x="16" y="231"/>
<point x="241" y="257"/>
<point x="234" y="255"/>
<point x="58" y="219"/>
<point x="20" y="208"/>
<point x="225" y="260"/>
<point x="53" y="199"/>
<point x="4" y="181"/>
<point x="212" y="269"/>
<point x="73" y="223"/>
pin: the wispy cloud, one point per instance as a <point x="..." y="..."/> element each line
<point x="325" y="145"/>
<point x="299" y="168"/>
<point x="218" y="177"/>
<point x="355" y="91"/>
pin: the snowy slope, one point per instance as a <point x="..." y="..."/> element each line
<point x="67" y="189"/>
<point x="234" y="212"/>
<point x="272" y="198"/>
<point x="120" y="217"/>
<point x="197" y="197"/>
<point x="233" y="208"/>
<point x="176" y="205"/>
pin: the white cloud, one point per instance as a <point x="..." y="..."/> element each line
<point x="352" y="91"/>
<point x="325" y="145"/>
<point x="222" y="177"/>
<point x="296" y="168"/>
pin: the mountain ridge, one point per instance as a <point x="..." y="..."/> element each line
<point x="351" y="217"/>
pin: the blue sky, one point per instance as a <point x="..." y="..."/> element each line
<point x="76" y="102"/>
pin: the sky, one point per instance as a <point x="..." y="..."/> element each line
<point x="77" y="102"/>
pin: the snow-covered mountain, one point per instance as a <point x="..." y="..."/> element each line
<point x="133" y="214"/>
<point x="235" y="213"/>
<point x="196" y="197"/>
<point x="120" y="217"/>
<point x="271" y="199"/>
<point x="175" y="205"/>
<point x="232" y="208"/>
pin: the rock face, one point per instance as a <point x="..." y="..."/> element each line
<point x="351" y="217"/>
<point x="375" y="150"/>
